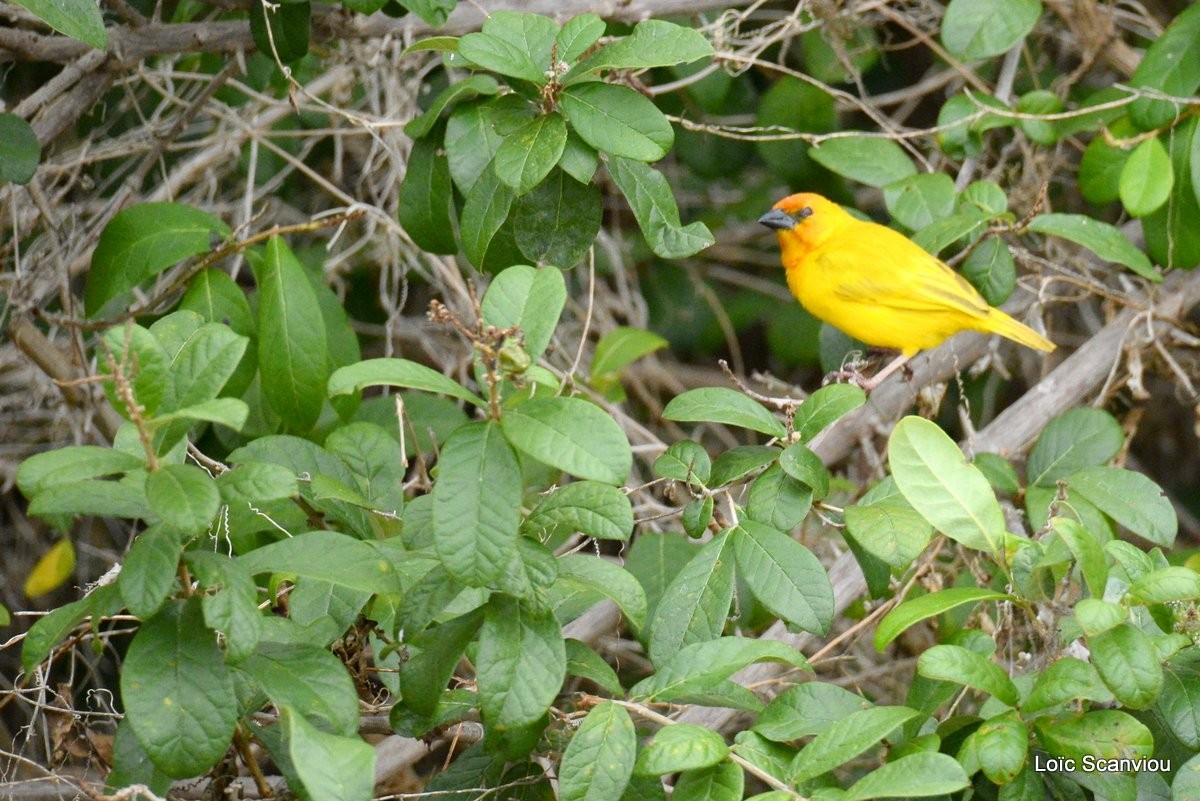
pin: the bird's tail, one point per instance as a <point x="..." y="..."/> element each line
<point x="997" y="322"/>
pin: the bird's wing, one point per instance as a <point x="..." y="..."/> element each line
<point x="892" y="271"/>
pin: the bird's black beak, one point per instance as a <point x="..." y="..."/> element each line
<point x="779" y="220"/>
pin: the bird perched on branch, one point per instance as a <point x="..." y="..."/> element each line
<point x="877" y="285"/>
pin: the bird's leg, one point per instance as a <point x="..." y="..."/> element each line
<point x="889" y="368"/>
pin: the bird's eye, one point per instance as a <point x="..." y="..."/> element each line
<point x="804" y="213"/>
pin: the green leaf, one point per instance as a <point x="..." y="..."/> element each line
<point x="476" y="504"/>
<point x="178" y="692"/>
<point x="694" y="605"/>
<point x="991" y="270"/>
<point x="799" y="462"/>
<point x="293" y="352"/>
<point x="230" y="603"/>
<point x="485" y="209"/>
<point x="962" y="666"/>
<point x="1165" y="585"/>
<point x="184" y="496"/>
<point x="1100" y="171"/>
<point x="1066" y="679"/>
<point x="207" y="360"/>
<point x="471" y="87"/>
<point x="776" y="500"/>
<point x="1079" y="438"/>
<point x="1179" y="703"/>
<point x="22" y="151"/>
<point x="807" y="709"/>
<point x="471" y="143"/>
<point x="441" y="44"/>
<point x="724" y="781"/>
<point x="941" y="234"/>
<point x="973" y="29"/>
<point x="654" y="208"/>
<point x="599" y="760"/>
<point x="230" y="412"/>
<point x="500" y="55"/>
<point x="684" y="461"/>
<point x="847" y="738"/>
<point x="433" y="13"/>
<point x="1039" y="102"/>
<point x="1127" y="662"/>
<point x="145" y="364"/>
<point x="50" y="629"/>
<point x="621" y="347"/>
<point x="913" y="776"/>
<point x="617" y="120"/>
<point x="437" y="651"/>
<point x="1146" y="179"/>
<point x="1095" y="615"/>
<point x="584" y="663"/>
<point x="281" y="30"/>
<point x="328" y="556"/>
<point x="703" y="665"/>
<point x="1171" y="66"/>
<point x="1129" y="498"/>
<point x="310" y="680"/>
<point x="557" y="222"/>
<point x="784" y="576"/>
<point x="890" y="529"/>
<point x="653" y="43"/>
<point x="148" y="573"/>
<point x="79" y="19"/>
<point x="594" y="509"/>
<point x="521" y="662"/>
<point x="926" y="606"/>
<point x="1087" y="552"/>
<point x="1002" y="743"/>
<point x="1186" y="783"/>
<point x="530" y="152"/>
<point x="532" y="299"/>
<point x="1171" y="240"/>
<point x="609" y="580"/>
<point x="986" y="196"/>
<point x="791" y="104"/>
<point x="1101" y="238"/>
<point x="70" y="464"/>
<point x="577" y="36"/>
<point x="682" y="746"/>
<point x="329" y="766"/>
<point x="425" y="204"/>
<point x="397" y="373"/>
<point x="130" y="765"/>
<point x="918" y="200"/>
<point x="255" y="482"/>
<point x="824" y="407"/>
<point x="870" y="160"/>
<point x="1100" y="734"/>
<point x="572" y="435"/>
<point x="724" y="406"/>
<point x="92" y="497"/>
<point x="943" y="487"/>
<point x="736" y="463"/>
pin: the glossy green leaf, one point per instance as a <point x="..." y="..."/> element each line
<point x="599" y="760"/>
<point x="1099" y="237"/>
<point x="694" y="605"/>
<point x="990" y="269"/>
<point x="434" y="655"/>
<point x="594" y="509"/>
<point x="807" y="709"/>
<point x="1128" y="664"/>
<point x="425" y="205"/>
<point x="724" y="406"/>
<point x="847" y="738"/>
<point x="1171" y="239"/>
<point x="293" y="354"/>
<point x="826" y="406"/>
<point x="1146" y="178"/>
<point x="1079" y="438"/>
<point x="22" y="151"/>
<point x="92" y="497"/>
<point x="1063" y="680"/>
<point x="913" y="776"/>
<point x="529" y="153"/>
<point x="737" y="463"/>
<point x="184" y="496"/>
<point x="398" y="373"/>
<point x="918" y="200"/>
<point x="684" y="461"/>
<point x="1131" y="499"/>
<point x="521" y="662"/>
<point x="1171" y="66"/>
<point x="1179" y="703"/>
<point x="890" y="529"/>
<point x="973" y="29"/>
<point x="148" y="572"/>
<point x="784" y="575"/>
<point x="1100" y="171"/>
<point x="79" y="19"/>
<point x="724" y="781"/>
<point x="229" y="603"/>
<point x="962" y="666"/>
<point x="1165" y="585"/>
<point x="617" y="120"/>
<point x="1095" y="616"/>
<point x="500" y="55"/>
<point x="683" y="746"/>
<point x="178" y="692"/>
<point x="577" y="36"/>
<point x="328" y="766"/>
<point x="1099" y="734"/>
<point x="799" y="462"/>
<point x="485" y="209"/>
<point x="654" y="208"/>
<point x="943" y="487"/>
<point x="471" y="143"/>
<point x="777" y="500"/>
<point x="327" y="556"/>
<point x="704" y="664"/>
<point x="571" y="434"/>
<point x="609" y="580"/>
<point x="476" y="504"/>
<point x="73" y="463"/>
<point x="870" y="160"/>
<point x="965" y="223"/>
<point x="621" y="347"/>
<point x="1040" y="102"/>
<point x="653" y="43"/>
<point x="532" y="299"/>
<point x="1087" y="552"/>
<point x="307" y="678"/>
<point x="471" y="87"/>
<point x="926" y="606"/>
<point x="557" y="222"/>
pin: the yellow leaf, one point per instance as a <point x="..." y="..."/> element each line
<point x="51" y="570"/>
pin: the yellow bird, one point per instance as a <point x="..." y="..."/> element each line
<point x="877" y="285"/>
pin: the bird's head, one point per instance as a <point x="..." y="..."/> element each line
<point x="804" y="221"/>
